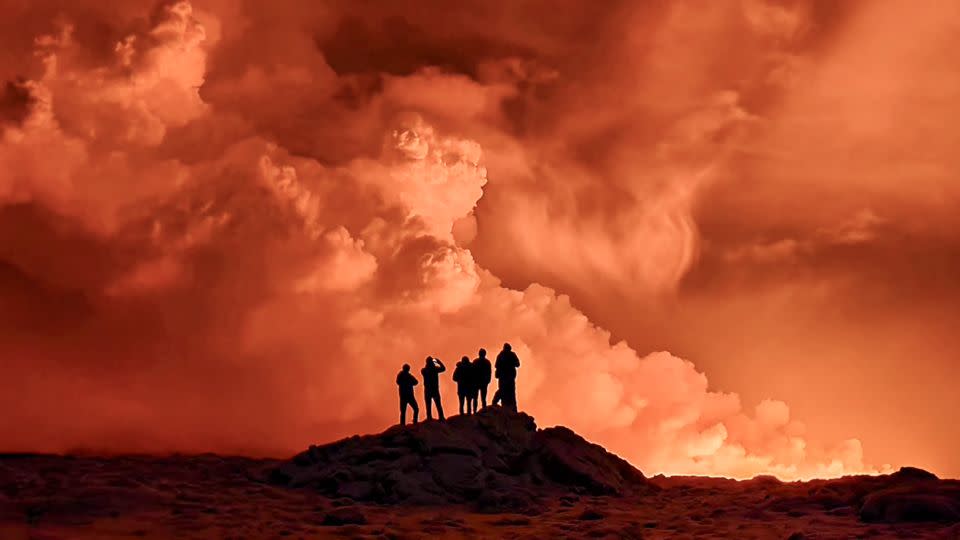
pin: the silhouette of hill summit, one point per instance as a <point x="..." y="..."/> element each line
<point x="495" y="459"/>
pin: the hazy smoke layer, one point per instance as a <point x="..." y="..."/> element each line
<point x="224" y="226"/>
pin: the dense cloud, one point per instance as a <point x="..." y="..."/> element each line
<point x="224" y="226"/>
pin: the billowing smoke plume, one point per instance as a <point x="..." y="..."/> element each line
<point x="221" y="233"/>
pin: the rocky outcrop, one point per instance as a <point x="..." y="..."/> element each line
<point x="912" y="495"/>
<point x="908" y="495"/>
<point x="900" y="505"/>
<point x="495" y="460"/>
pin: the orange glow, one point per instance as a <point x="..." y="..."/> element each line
<point x="224" y="227"/>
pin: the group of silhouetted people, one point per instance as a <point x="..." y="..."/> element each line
<point x="472" y="378"/>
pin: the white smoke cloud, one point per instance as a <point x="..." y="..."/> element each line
<point x="321" y="280"/>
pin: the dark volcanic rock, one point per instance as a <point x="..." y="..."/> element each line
<point x="904" y="504"/>
<point x="590" y="515"/>
<point x="566" y="458"/>
<point x="344" y="516"/>
<point x="911" y="495"/>
<point x="913" y="473"/>
<point x="496" y="459"/>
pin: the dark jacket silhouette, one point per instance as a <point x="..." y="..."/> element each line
<point x="506" y="372"/>
<point x="466" y="380"/>
<point x="464" y="377"/>
<point x="481" y="371"/>
<point x="507" y="363"/>
<point x="432" y="368"/>
<point x="405" y="383"/>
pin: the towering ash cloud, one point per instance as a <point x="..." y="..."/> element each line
<point x="223" y="227"/>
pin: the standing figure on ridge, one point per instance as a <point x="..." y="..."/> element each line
<point x="496" y="394"/>
<point x="432" y="368"/>
<point x="506" y="366"/>
<point x="464" y="376"/>
<point x="481" y="373"/>
<point x="406" y="382"/>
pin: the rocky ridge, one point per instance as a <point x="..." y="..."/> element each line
<point x="495" y="460"/>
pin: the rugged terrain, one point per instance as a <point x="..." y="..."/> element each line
<point x="496" y="461"/>
<point x="492" y="475"/>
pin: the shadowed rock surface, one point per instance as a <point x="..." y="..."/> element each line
<point x="446" y="479"/>
<point x="207" y="496"/>
<point x="495" y="459"/>
<point x="910" y="495"/>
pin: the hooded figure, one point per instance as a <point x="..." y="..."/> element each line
<point x="481" y="373"/>
<point x="406" y="382"/>
<point x="465" y="378"/>
<point x="432" y="368"/>
<point x="506" y="368"/>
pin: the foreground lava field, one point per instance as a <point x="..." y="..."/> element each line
<point x="540" y="483"/>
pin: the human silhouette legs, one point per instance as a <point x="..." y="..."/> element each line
<point x="412" y="402"/>
<point x="508" y="394"/>
<point x="431" y="399"/>
<point x="511" y="403"/>
<point x="483" y="396"/>
<point x="464" y="398"/>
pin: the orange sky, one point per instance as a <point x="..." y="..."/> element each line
<point x="722" y="237"/>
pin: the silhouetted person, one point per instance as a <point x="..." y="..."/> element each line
<point x="466" y="383"/>
<point x="506" y="371"/>
<point x="432" y="368"/>
<point x="406" y="382"/>
<point x="496" y="395"/>
<point x="481" y="373"/>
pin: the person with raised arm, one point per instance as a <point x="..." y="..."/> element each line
<point x="432" y="368"/>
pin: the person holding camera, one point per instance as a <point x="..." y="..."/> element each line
<point x="431" y="371"/>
